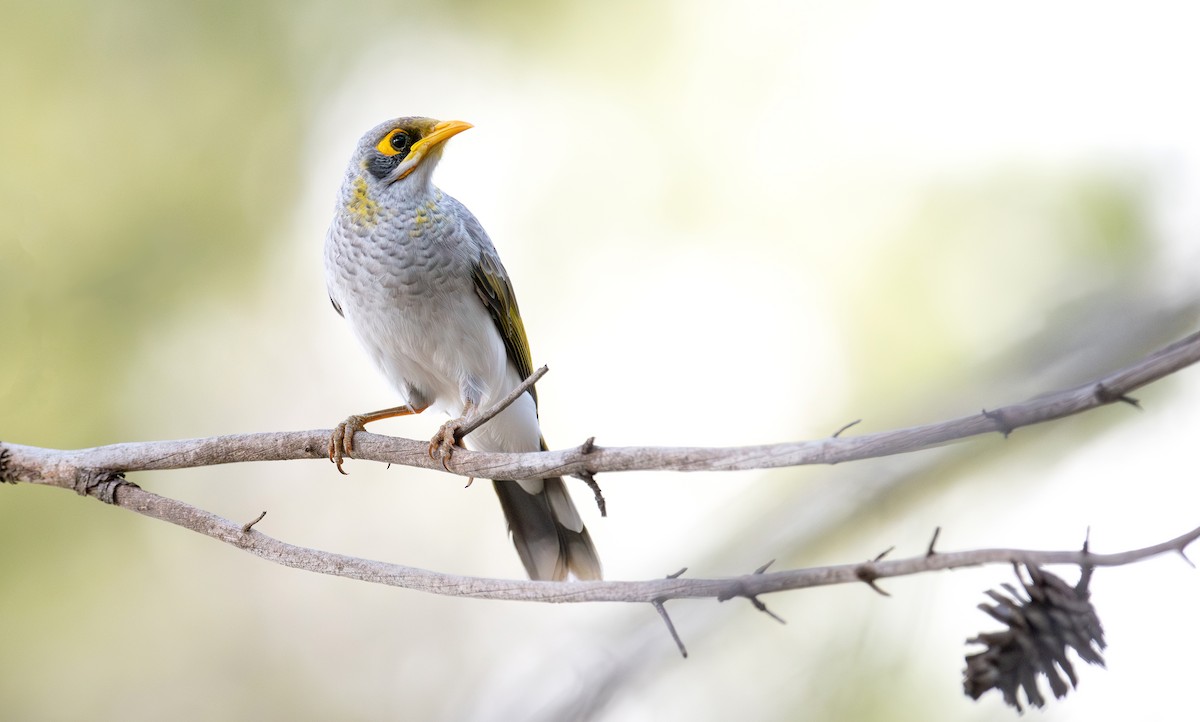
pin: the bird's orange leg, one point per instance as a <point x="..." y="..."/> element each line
<point x="341" y="441"/>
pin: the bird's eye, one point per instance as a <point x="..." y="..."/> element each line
<point x="396" y="142"/>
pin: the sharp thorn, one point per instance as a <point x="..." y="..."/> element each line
<point x="1183" y="553"/>
<point x="937" y="530"/>
<point x="871" y="583"/>
<point x="662" y="612"/>
<point x="844" y="428"/>
<point x="760" y="606"/>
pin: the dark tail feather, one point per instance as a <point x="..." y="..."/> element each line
<point x="547" y="532"/>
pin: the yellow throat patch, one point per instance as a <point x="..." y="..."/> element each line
<point x="361" y="207"/>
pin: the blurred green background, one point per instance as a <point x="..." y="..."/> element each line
<point x="726" y="224"/>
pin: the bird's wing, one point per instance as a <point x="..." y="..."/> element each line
<point x="496" y="292"/>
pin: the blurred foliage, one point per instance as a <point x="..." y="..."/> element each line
<point x="981" y="263"/>
<point x="148" y="150"/>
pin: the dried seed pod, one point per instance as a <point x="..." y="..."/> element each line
<point x="1043" y="623"/>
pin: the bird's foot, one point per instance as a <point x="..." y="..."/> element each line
<point x="341" y="441"/>
<point x="447" y="438"/>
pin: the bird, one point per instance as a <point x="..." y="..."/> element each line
<point x="420" y="284"/>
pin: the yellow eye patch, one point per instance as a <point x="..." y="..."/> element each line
<point x="395" y="143"/>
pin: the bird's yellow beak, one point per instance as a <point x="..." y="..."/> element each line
<point x="441" y="133"/>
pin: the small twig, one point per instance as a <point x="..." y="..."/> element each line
<point x="884" y="553"/>
<point x="662" y="612"/>
<point x="587" y="478"/>
<point x="250" y="524"/>
<point x="477" y="420"/>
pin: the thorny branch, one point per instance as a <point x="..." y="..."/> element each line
<point x="99" y="472"/>
<point x="134" y="498"/>
<point x="52" y="466"/>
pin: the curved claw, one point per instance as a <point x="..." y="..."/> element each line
<point x="341" y="441"/>
<point x="442" y="445"/>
